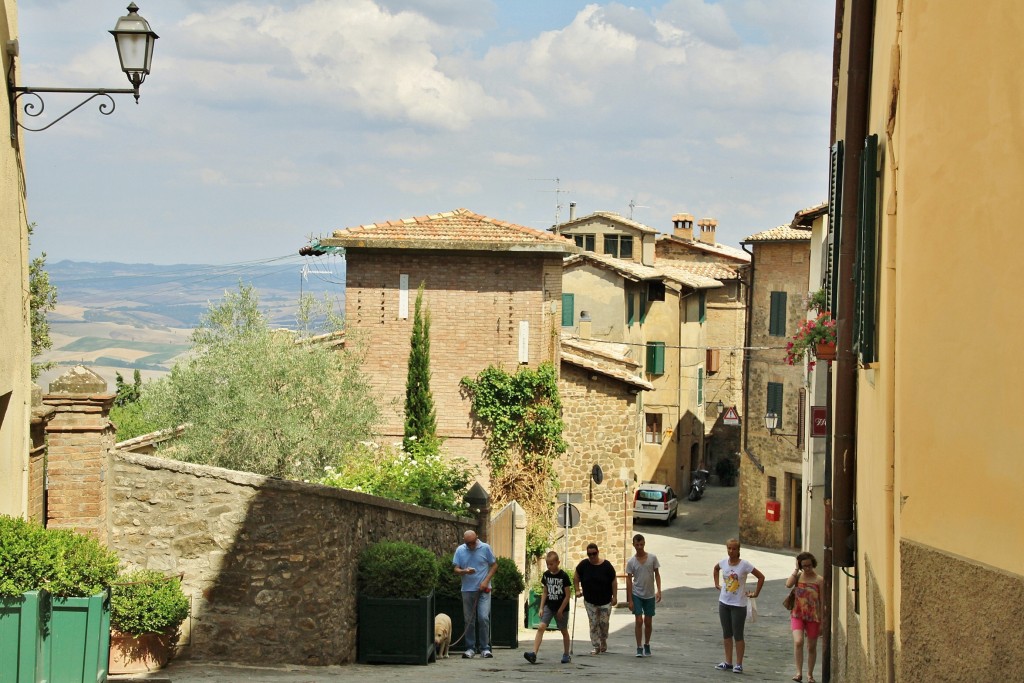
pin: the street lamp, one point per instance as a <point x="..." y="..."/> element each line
<point x="771" y="423"/>
<point x="134" y="40"/>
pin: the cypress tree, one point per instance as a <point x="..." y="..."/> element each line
<point x="420" y="418"/>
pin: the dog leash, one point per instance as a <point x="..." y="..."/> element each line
<point x="466" y="630"/>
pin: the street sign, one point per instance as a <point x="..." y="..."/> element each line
<point x="569" y="497"/>
<point x="730" y="416"/>
<point x="819" y="421"/>
<point x="574" y="516"/>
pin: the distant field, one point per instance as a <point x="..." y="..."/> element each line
<point x="99" y="343"/>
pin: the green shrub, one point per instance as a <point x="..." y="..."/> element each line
<point x="146" y="601"/>
<point x="61" y="561"/>
<point x="396" y="569"/>
<point x="449" y="584"/>
<point x="508" y="581"/>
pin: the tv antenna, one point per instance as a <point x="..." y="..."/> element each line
<point x="558" y="199"/>
<point x="634" y="205"/>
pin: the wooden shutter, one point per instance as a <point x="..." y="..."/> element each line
<point x="712" y="359"/>
<point x="568" y="310"/>
<point x="643" y="304"/>
<point x="865" y="269"/>
<point x="656" y="358"/>
<point x="700" y="389"/>
<point x="777" y="315"/>
<point x="702" y="306"/>
<point x="775" y="400"/>
<point x="835" y="200"/>
<point x="630" y="308"/>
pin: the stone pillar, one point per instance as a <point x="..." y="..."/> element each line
<point x="79" y="438"/>
<point x="37" y="457"/>
<point x="480" y="505"/>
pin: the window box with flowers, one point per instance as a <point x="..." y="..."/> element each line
<point x="816" y="337"/>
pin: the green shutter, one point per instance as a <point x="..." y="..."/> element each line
<point x="630" y="308"/>
<point x="865" y="270"/>
<point x="702" y="306"/>
<point x="700" y="389"/>
<point x="777" y="315"/>
<point x="643" y="304"/>
<point x="775" y="400"/>
<point x="656" y="358"/>
<point x="568" y="309"/>
<point x="835" y="200"/>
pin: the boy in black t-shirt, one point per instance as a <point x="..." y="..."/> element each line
<point x="554" y="601"/>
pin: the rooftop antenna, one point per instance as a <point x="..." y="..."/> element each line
<point x="558" y="200"/>
<point x="634" y="205"/>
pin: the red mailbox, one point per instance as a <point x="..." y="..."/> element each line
<point x="773" y="510"/>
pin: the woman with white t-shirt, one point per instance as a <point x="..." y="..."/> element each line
<point x="731" y="580"/>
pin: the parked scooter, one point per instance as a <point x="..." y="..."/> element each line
<point x="700" y="482"/>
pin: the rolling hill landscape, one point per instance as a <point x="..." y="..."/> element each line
<point x="119" y="317"/>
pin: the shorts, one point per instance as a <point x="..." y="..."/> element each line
<point x="550" y="613"/>
<point x="642" y="606"/>
<point x="813" y="628"/>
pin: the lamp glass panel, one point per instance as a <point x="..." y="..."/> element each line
<point x="132" y="48"/>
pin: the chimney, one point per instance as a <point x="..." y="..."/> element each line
<point x="682" y="226"/>
<point x="585" y="325"/>
<point x="707" y="230"/>
<point x="572" y="211"/>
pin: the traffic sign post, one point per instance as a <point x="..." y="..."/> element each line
<point x="568" y="515"/>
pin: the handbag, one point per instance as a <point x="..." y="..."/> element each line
<point x="790" y="600"/>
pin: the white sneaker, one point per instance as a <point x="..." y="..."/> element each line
<point x="468" y="654"/>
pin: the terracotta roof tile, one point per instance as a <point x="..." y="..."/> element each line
<point x="783" y="233"/>
<point x="716" y="248"/>
<point x="458" y="229"/>
<point x="631" y="270"/>
<point x="607" y="215"/>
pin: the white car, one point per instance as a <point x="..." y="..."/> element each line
<point x="655" y="501"/>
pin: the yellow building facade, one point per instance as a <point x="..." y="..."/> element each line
<point x="927" y="507"/>
<point x="15" y="340"/>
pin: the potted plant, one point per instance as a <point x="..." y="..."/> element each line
<point x="54" y="603"/>
<point x="396" y="604"/>
<point x="506" y="587"/>
<point x="146" y="610"/>
<point x="727" y="471"/>
<point x="816" y="336"/>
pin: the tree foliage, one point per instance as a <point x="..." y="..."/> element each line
<point x="259" y="400"/>
<point x="522" y="419"/>
<point x="127" y="393"/>
<point x="420" y="416"/>
<point x="42" y="300"/>
<point x="420" y="475"/>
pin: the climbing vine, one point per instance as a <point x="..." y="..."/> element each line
<point x="521" y="417"/>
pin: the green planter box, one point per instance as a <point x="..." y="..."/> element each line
<point x="533" y="610"/>
<point x="504" y="622"/>
<point x="396" y="630"/>
<point x="71" y="646"/>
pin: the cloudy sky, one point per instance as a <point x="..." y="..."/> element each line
<point x="267" y="121"/>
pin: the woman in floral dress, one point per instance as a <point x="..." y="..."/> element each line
<point x="806" y="615"/>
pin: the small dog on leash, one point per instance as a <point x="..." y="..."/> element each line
<point x="442" y="635"/>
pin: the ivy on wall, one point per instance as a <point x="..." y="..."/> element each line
<point x="521" y="417"/>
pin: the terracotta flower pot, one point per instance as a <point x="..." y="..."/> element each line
<point x="137" y="654"/>
<point x="825" y="351"/>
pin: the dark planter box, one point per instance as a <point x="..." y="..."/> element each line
<point x="504" y="622"/>
<point x="71" y="645"/>
<point x="396" y="630"/>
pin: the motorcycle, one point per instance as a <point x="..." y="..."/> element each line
<point x="700" y="482"/>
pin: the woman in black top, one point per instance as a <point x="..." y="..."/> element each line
<point x="600" y="588"/>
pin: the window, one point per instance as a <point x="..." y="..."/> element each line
<point x="773" y="486"/>
<point x="619" y="246"/>
<point x="777" y="315"/>
<point x="656" y="358"/>
<point x="585" y="242"/>
<point x="568" y="309"/>
<point x="643" y="305"/>
<point x="775" y="400"/>
<point x="630" y="309"/>
<point x="652" y="433"/>
<point x="865" y="321"/>
<point x="702" y="306"/>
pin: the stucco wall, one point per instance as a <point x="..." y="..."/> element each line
<point x="269" y="564"/>
<point x="15" y="349"/>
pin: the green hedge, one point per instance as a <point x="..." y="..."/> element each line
<point x="146" y="601"/>
<point x="61" y="561"/>
<point x="396" y="569"/>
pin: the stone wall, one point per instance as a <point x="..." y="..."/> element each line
<point x="269" y="564"/>
<point x="601" y="427"/>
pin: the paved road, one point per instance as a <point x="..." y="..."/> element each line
<point x="687" y="638"/>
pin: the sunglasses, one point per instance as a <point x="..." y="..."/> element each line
<point x="591" y="554"/>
